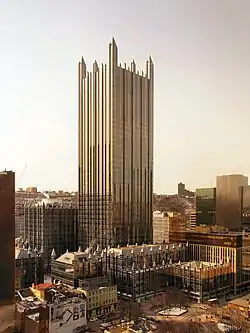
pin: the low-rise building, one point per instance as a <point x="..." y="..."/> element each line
<point x="74" y="268"/>
<point x="101" y="297"/>
<point x="63" y="310"/>
<point x="241" y="304"/>
<point x="201" y="280"/>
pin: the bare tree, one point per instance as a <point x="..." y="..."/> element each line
<point x="129" y="310"/>
<point x="236" y="320"/>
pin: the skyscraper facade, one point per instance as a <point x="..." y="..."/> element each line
<point x="206" y="206"/>
<point x="7" y="236"/>
<point x="115" y="153"/>
<point x="229" y="200"/>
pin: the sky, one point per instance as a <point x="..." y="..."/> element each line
<point x="201" y="51"/>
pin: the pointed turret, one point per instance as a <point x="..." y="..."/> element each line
<point x="95" y="67"/>
<point x="83" y="69"/>
<point x="113" y="54"/>
<point x="53" y="254"/>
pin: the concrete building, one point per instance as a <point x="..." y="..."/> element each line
<point x="61" y="310"/>
<point x="166" y="224"/>
<point x="115" y="153"/>
<point x="160" y="227"/>
<point x="206" y="206"/>
<point x="29" y="268"/>
<point x="191" y="220"/>
<point x="183" y="192"/>
<point x="51" y="225"/>
<point x="101" y="297"/>
<point x="228" y="201"/>
<point x="7" y="236"/>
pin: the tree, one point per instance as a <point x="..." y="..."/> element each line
<point x="237" y="321"/>
<point x="129" y="310"/>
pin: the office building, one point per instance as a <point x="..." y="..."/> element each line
<point x="228" y="201"/>
<point x="201" y="280"/>
<point x="29" y="268"/>
<point x="160" y="227"/>
<point x="115" y="153"/>
<point x="51" y="225"/>
<point x="166" y="224"/>
<point x="140" y="271"/>
<point x="183" y="192"/>
<point x="191" y="219"/>
<point x="7" y="236"/>
<point x="245" y="207"/>
<point x="206" y="206"/>
<point x="101" y="297"/>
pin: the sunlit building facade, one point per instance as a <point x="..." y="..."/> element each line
<point x="115" y="153"/>
<point x="229" y="201"/>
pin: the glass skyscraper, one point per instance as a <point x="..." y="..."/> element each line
<point x="115" y="153"/>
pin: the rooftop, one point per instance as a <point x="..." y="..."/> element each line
<point x="21" y="253"/>
<point x="197" y="264"/>
<point x="61" y="293"/>
<point x="96" y="283"/>
<point x="146" y="248"/>
<point x="240" y="302"/>
<point x="43" y="286"/>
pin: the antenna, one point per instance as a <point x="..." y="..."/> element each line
<point x="21" y="175"/>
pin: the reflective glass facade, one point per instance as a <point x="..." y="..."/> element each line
<point x="115" y="153"/>
<point x="229" y="200"/>
<point x="206" y="206"/>
<point x="245" y="197"/>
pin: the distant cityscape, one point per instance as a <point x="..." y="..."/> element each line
<point x="114" y="256"/>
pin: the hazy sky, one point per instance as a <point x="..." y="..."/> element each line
<point x="201" y="51"/>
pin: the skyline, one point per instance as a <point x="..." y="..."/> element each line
<point x="201" y="56"/>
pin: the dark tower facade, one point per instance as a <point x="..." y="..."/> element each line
<point x="115" y="153"/>
<point x="7" y="236"/>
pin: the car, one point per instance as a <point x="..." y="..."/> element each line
<point x="102" y="316"/>
<point x="93" y="319"/>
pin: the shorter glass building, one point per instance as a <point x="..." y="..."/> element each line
<point x="206" y="206"/>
